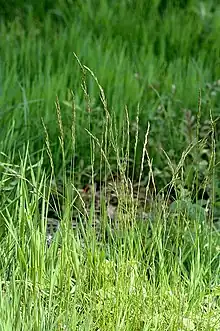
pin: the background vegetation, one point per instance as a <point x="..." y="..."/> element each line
<point x="150" y="56"/>
<point x="158" y="64"/>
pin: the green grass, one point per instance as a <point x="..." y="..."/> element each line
<point x="137" y="60"/>
<point x="88" y="91"/>
<point x="158" y="274"/>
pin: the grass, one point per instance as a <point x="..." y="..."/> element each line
<point x="135" y="68"/>
<point x="159" y="274"/>
<point x="144" y="106"/>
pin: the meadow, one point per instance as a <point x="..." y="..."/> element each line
<point x="105" y="93"/>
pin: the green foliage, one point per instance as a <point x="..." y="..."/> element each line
<point x="150" y="120"/>
<point x="156" y="265"/>
<point x="139" y="62"/>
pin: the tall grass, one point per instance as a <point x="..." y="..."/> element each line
<point x="156" y="271"/>
<point x="138" y="124"/>
<point x="139" y="61"/>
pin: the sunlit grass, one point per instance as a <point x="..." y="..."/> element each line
<point x="151" y="119"/>
<point x="157" y="271"/>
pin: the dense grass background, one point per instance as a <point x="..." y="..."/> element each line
<point x="158" y="63"/>
<point x="145" y="55"/>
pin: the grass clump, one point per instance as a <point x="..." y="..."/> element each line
<point x="131" y="193"/>
<point x="154" y="267"/>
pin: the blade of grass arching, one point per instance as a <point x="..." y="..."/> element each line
<point x="66" y="192"/>
<point x="142" y="162"/>
<point x="197" y="137"/>
<point x="73" y="134"/>
<point x="61" y="137"/>
<point x="92" y="207"/>
<point x="105" y="142"/>
<point x="136" y="142"/>
<point x="61" y="141"/>
<point x="44" y="198"/>
<point x="127" y="144"/>
<point x="212" y="166"/>
<point x="53" y="182"/>
<point x="22" y="193"/>
<point x="212" y="178"/>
